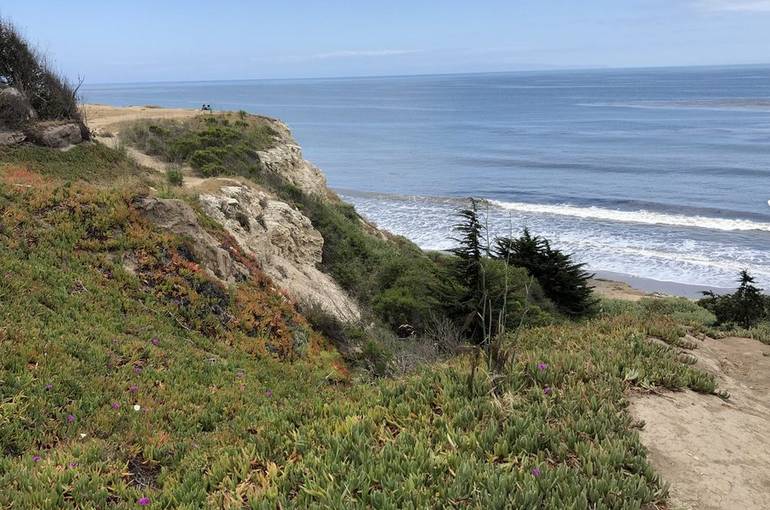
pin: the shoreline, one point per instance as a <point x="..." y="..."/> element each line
<point x="608" y="283"/>
<point x="626" y="286"/>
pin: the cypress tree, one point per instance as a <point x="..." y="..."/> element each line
<point x="745" y="307"/>
<point x="469" y="271"/>
<point x="563" y="281"/>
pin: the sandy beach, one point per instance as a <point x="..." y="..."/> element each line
<point x="625" y="286"/>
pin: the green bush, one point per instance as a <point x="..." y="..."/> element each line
<point x="175" y="177"/>
<point x="408" y="290"/>
<point x="209" y="143"/>
<point x="393" y="277"/>
<point x="563" y="281"/>
<point x="21" y="67"/>
<point x="681" y="309"/>
<point x="746" y="307"/>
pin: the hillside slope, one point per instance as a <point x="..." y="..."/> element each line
<point x="150" y="359"/>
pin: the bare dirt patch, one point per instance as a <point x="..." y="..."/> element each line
<point x="714" y="453"/>
<point x="617" y="290"/>
<point x="106" y="120"/>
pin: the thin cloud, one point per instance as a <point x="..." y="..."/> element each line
<point x="342" y="54"/>
<point x="363" y="53"/>
<point x="737" y="5"/>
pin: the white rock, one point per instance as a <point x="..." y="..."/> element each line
<point x="283" y="241"/>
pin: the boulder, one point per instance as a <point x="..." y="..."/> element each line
<point x="11" y="137"/>
<point x="59" y="136"/>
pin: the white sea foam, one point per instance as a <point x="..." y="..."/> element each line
<point x="642" y="216"/>
<point x="745" y="104"/>
<point x="713" y="259"/>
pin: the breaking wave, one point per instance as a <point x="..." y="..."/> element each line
<point x="642" y="216"/>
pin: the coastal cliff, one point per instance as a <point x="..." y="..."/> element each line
<point x="191" y="318"/>
<point x="281" y="239"/>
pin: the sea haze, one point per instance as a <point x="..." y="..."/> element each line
<point x="657" y="173"/>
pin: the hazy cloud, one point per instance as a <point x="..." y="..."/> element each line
<point x="737" y="5"/>
<point x="363" y="53"/>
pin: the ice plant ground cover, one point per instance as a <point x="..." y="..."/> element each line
<point x="227" y="416"/>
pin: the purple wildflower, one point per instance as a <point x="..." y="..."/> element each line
<point x="36" y="458"/>
<point x="73" y="465"/>
<point x="542" y="366"/>
<point x="116" y="405"/>
<point x="536" y="472"/>
<point x="71" y="418"/>
<point x="269" y="393"/>
<point x="48" y="386"/>
<point x="155" y="341"/>
<point x="547" y="390"/>
<point x="137" y="369"/>
<point x="143" y="501"/>
<point x="133" y="388"/>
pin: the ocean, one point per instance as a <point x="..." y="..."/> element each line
<point x="655" y="173"/>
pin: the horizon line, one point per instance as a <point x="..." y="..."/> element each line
<point x="380" y="76"/>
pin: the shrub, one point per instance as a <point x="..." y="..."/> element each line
<point x="209" y="143"/>
<point x="175" y="176"/>
<point x="327" y="324"/>
<point x="22" y="68"/>
<point x="563" y="281"/>
<point x="408" y="291"/>
<point x="400" y="282"/>
<point x="680" y="309"/>
<point x="746" y="307"/>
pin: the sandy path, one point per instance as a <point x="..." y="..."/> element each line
<point x="102" y="118"/>
<point x="714" y="453"/>
<point x="106" y="122"/>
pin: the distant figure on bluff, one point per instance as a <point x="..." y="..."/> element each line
<point x="206" y="107"/>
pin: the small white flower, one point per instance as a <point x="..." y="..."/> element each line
<point x="83" y="436"/>
<point x="137" y="407"/>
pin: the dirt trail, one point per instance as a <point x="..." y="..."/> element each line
<point x="107" y="119"/>
<point x="106" y="122"/>
<point x="714" y="453"/>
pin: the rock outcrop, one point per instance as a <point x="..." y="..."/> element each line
<point x="282" y="240"/>
<point x="58" y="135"/>
<point x="19" y="123"/>
<point x="178" y="217"/>
<point x="11" y="137"/>
<point x="278" y="236"/>
<point x="285" y="160"/>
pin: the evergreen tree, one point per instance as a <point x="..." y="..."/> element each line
<point x="564" y="282"/>
<point x="469" y="271"/>
<point x="746" y="306"/>
<point x="749" y="303"/>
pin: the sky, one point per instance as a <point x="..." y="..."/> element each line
<point x="171" y="40"/>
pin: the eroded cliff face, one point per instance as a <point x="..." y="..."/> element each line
<point x="178" y="217"/>
<point x="277" y="235"/>
<point x="282" y="240"/>
<point x="285" y="160"/>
